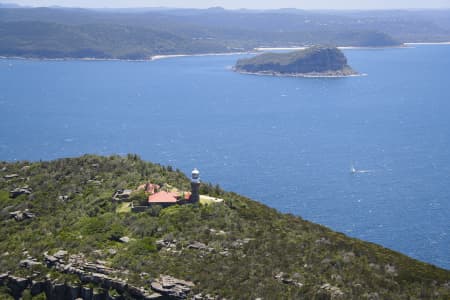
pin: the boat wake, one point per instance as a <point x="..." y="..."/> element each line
<point x="353" y="170"/>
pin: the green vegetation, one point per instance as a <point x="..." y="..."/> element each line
<point x="78" y="33"/>
<point x="252" y="250"/>
<point x="313" y="60"/>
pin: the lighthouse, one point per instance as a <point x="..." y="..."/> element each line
<point x="195" y="186"/>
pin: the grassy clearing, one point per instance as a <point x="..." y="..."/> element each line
<point x="124" y="207"/>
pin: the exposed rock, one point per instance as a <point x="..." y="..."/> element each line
<point x="285" y="279"/>
<point x="391" y="269"/>
<point x="217" y="232"/>
<point x="332" y="291"/>
<point x="121" y="195"/>
<point x="50" y="260"/>
<point x="323" y="241"/>
<point x="348" y="257"/>
<point x="96" y="273"/>
<point x="63" y="198"/>
<point x="166" y="243"/>
<point x="124" y="239"/>
<point x="200" y="246"/>
<point x="28" y="263"/>
<point x="205" y="297"/>
<point x="86" y="293"/>
<point x="37" y="287"/>
<point x="73" y="291"/>
<point x="240" y="243"/>
<point x="22" y="215"/>
<point x="3" y="277"/>
<point x="99" y="295"/>
<point x="112" y="251"/>
<point x="172" y="287"/>
<point x="11" y="176"/>
<point x="17" y="285"/>
<point x="20" y="191"/>
<point x="155" y="296"/>
<point x="60" y="254"/>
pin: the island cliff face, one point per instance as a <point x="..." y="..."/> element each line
<point x="313" y="61"/>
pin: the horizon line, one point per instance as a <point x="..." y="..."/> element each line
<point x="15" y="5"/>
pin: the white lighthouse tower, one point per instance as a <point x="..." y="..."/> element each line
<point x="195" y="186"/>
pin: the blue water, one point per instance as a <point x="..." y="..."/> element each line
<point x="287" y="142"/>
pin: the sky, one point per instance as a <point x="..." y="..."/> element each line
<point x="235" y="4"/>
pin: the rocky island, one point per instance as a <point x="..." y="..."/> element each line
<point x="76" y="241"/>
<point x="314" y="61"/>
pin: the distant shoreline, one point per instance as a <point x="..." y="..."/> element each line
<point x="427" y="43"/>
<point x="328" y="74"/>
<point x="149" y="59"/>
<point x="158" y="57"/>
<point x="254" y="51"/>
<point x="339" y="47"/>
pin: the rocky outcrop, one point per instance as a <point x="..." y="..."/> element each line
<point x="166" y="243"/>
<point x="200" y="246"/>
<point x="95" y="273"/>
<point x="20" y="191"/>
<point x="172" y="287"/>
<point x="29" y="263"/>
<point x="121" y="195"/>
<point x="22" y="215"/>
<point x="89" y="273"/>
<point x="284" y="278"/>
<point x="124" y="239"/>
<point x="330" y="292"/>
<point x="64" y="198"/>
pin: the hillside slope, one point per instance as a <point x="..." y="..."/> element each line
<point x="238" y="249"/>
<point x="313" y="60"/>
<point x="82" y="33"/>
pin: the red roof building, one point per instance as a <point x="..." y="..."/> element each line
<point x="168" y="198"/>
<point x="163" y="197"/>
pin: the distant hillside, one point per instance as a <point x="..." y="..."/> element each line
<point x="131" y="34"/>
<point x="50" y="40"/>
<point x="62" y="235"/>
<point x="328" y="61"/>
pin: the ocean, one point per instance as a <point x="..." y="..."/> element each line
<point x="287" y="142"/>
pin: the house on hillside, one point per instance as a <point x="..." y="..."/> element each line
<point x="165" y="199"/>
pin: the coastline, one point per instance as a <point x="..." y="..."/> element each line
<point x="427" y="43"/>
<point x="262" y="49"/>
<point x="158" y="57"/>
<point x="149" y="59"/>
<point x="71" y="59"/>
<point x="253" y="51"/>
<point x="329" y="74"/>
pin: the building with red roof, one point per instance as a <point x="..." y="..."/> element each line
<point x="168" y="198"/>
<point x="165" y="199"/>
